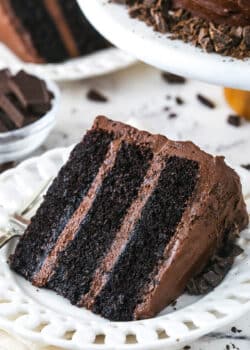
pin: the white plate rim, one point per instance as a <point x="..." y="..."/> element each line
<point x="178" y="325"/>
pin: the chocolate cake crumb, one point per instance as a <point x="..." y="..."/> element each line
<point x="179" y="100"/>
<point x="234" y="120"/>
<point x="96" y="96"/>
<point x="227" y="347"/>
<point x="235" y="330"/>
<point x="205" y="101"/>
<point x="187" y="347"/>
<point x="172" y="115"/>
<point x="217" y="268"/>
<point x="173" y="78"/>
<point x="246" y="166"/>
<point x="166" y="109"/>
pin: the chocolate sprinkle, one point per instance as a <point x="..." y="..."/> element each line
<point x="205" y="101"/>
<point x="172" y="115"/>
<point x="246" y="166"/>
<point x="234" y="120"/>
<point x="172" y="78"/>
<point x="96" y="96"/>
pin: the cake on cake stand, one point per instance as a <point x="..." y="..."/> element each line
<point x="158" y="50"/>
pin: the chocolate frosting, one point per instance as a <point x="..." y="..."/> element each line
<point x="216" y="207"/>
<point x="233" y="12"/>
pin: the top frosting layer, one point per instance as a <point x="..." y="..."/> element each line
<point x="233" y="12"/>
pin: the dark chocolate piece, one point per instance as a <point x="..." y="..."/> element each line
<point x="96" y="96"/>
<point x="234" y="120"/>
<point x="206" y="101"/>
<point x="31" y="92"/>
<point x="173" y="78"/>
<point x="23" y="99"/>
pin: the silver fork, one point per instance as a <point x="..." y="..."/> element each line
<point x="20" y="220"/>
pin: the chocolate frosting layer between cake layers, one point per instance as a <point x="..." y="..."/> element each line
<point x="232" y="12"/>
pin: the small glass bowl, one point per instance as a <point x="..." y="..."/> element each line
<point x="17" y="144"/>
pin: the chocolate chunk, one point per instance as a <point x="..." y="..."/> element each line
<point x="172" y="78"/>
<point x="172" y="115"/>
<point x="4" y="79"/>
<point x="23" y="99"/>
<point x="96" y="96"/>
<point x="16" y="117"/>
<point x="234" y="120"/>
<point x="205" y="101"/>
<point x="179" y="100"/>
<point x="31" y="92"/>
<point x="246" y="166"/>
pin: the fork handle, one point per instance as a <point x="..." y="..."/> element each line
<point x="5" y="237"/>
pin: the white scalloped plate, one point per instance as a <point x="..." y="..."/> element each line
<point x="99" y="63"/>
<point x="41" y="317"/>
<point x="160" y="51"/>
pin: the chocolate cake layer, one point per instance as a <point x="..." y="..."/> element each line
<point x="62" y="199"/>
<point x="73" y="273"/>
<point x="45" y="36"/>
<point x="145" y="247"/>
<point x="86" y="37"/>
<point x="47" y="30"/>
<point x="150" y="217"/>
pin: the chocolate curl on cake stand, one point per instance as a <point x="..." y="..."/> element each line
<point x="239" y="101"/>
<point x="158" y="49"/>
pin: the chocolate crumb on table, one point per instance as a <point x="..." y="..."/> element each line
<point x="172" y="115"/>
<point x="187" y="347"/>
<point x="179" y="100"/>
<point x="96" y="96"/>
<point x="173" y="78"/>
<point x="206" y="101"/>
<point x="246" y="166"/>
<point x="234" y="120"/>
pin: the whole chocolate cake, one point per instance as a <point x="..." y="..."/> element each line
<point x="47" y="30"/>
<point x="220" y="26"/>
<point x="128" y="222"/>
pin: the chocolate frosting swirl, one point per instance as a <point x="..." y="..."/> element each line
<point x="233" y="12"/>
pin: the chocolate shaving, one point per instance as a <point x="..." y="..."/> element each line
<point x="205" y="101"/>
<point x="234" y="120"/>
<point x="172" y="78"/>
<point x="220" y="38"/>
<point x="216" y="270"/>
<point x="96" y="96"/>
<point x="246" y="166"/>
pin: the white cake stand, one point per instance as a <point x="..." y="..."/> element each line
<point x="160" y="51"/>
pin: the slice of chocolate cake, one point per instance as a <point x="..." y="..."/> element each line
<point x="47" y="30"/>
<point x="129" y="220"/>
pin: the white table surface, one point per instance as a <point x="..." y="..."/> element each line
<point x="139" y="95"/>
